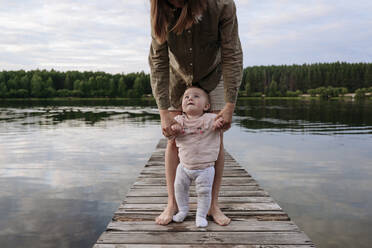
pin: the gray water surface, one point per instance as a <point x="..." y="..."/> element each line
<point x="66" y="166"/>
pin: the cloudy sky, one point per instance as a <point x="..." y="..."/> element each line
<point x="114" y="35"/>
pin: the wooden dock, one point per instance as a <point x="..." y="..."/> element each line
<point x="257" y="220"/>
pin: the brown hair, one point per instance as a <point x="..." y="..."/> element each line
<point x="161" y="13"/>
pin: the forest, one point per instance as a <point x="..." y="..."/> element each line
<point x="43" y="83"/>
<point x="275" y="80"/>
<point x="279" y="80"/>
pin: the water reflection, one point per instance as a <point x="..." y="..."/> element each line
<point x="314" y="117"/>
<point x="36" y="216"/>
<point x="85" y="111"/>
<point x="65" y="169"/>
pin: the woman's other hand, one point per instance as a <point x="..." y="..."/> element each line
<point x="167" y="120"/>
<point x="226" y="113"/>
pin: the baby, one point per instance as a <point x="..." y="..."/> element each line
<point x="198" y="142"/>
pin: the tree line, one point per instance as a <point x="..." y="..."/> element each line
<point x="275" y="80"/>
<point x="43" y="84"/>
<point x="282" y="79"/>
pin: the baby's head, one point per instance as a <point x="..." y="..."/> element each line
<point x="195" y="101"/>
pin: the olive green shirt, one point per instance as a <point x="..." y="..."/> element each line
<point x="199" y="56"/>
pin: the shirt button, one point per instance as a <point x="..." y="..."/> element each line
<point x="190" y="49"/>
<point x="190" y="64"/>
<point x="189" y="31"/>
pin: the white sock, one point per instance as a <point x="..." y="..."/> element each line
<point x="201" y="222"/>
<point x="180" y="216"/>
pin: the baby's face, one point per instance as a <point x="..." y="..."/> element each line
<point x="195" y="102"/>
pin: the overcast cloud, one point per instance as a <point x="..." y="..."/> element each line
<point x="114" y="36"/>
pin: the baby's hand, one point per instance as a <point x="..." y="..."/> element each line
<point x="177" y="128"/>
<point x="218" y="124"/>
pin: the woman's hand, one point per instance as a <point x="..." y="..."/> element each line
<point x="167" y="120"/>
<point x="226" y="113"/>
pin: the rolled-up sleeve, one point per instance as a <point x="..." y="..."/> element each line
<point x="231" y="50"/>
<point x="159" y="65"/>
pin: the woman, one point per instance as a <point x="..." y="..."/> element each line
<point x="194" y="42"/>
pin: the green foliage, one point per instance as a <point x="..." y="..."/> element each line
<point x="64" y="93"/>
<point x="20" y="93"/>
<point x="248" y="90"/>
<point x="257" y="94"/>
<point x="273" y="89"/>
<point x="308" y="76"/>
<point x="73" y="84"/>
<point x="48" y="92"/>
<point x="361" y="93"/>
<point x="25" y="83"/>
<point x="343" y="91"/>
<point x="328" y="92"/>
<point x="140" y="85"/>
<point x="293" y="93"/>
<point x="36" y="86"/>
<point x="322" y="91"/>
<point x="368" y="75"/>
<point x="77" y="85"/>
<point x="68" y="82"/>
<point x="111" y="88"/>
<point x="3" y="77"/>
<point x="3" y="89"/>
<point x="77" y="93"/>
<point x="122" y="87"/>
<point x="312" y="92"/>
<point x="13" y="83"/>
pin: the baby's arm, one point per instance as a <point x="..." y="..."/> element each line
<point x="218" y="123"/>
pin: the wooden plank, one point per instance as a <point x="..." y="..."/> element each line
<point x="161" y="173"/>
<point x="158" y="157"/>
<point x="267" y="238"/>
<point x="193" y="199"/>
<point x="197" y="246"/>
<point x="129" y="215"/>
<point x="225" y="181"/>
<point x="163" y="193"/>
<point x="192" y="187"/>
<point x="160" y="165"/>
<point x="158" y="162"/>
<point x="236" y="168"/>
<point x="224" y="206"/>
<point x="155" y="175"/>
<point x="249" y="225"/>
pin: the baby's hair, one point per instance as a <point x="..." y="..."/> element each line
<point x="206" y="93"/>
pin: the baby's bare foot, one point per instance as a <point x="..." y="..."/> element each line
<point x="219" y="217"/>
<point x="166" y="216"/>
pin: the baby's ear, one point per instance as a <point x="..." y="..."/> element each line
<point x="207" y="107"/>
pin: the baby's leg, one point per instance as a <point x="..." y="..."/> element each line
<point x="181" y="190"/>
<point x="203" y="183"/>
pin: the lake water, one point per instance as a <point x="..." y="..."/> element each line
<point x="65" y="166"/>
